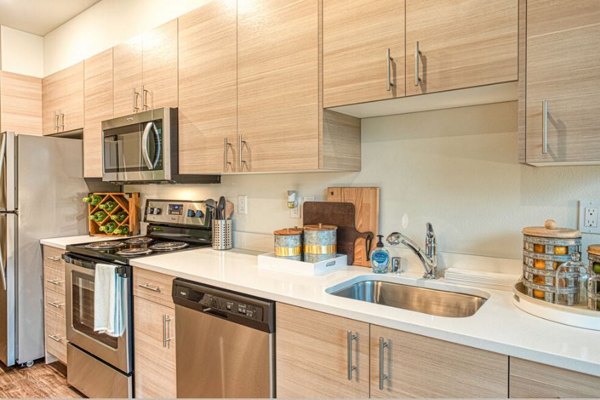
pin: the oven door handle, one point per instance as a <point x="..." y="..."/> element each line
<point x="150" y="126"/>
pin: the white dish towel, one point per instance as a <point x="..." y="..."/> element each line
<point x="108" y="301"/>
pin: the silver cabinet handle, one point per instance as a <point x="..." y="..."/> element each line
<point x="382" y="376"/>
<point x="417" y="56"/>
<point x="136" y="94"/>
<point x="53" y="258"/>
<point x="243" y="163"/>
<point x="166" y="329"/>
<point x="226" y="163"/>
<point x="544" y="126"/>
<point x="149" y="287"/>
<point x="144" y="98"/>
<point x="56" y="282"/>
<point x="351" y="337"/>
<point x="62" y="121"/>
<point x="56" y="117"/>
<point x="390" y="83"/>
<point x="56" y="338"/>
<point x="55" y="304"/>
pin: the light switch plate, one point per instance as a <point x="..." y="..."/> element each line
<point x="588" y="216"/>
<point x="242" y="204"/>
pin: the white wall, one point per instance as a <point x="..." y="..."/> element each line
<point x="21" y="52"/>
<point x="106" y="24"/>
<point x="456" y="168"/>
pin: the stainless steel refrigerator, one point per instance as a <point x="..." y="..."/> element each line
<point x="41" y="186"/>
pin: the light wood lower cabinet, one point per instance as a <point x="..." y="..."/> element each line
<point x="55" y="326"/>
<point x="20" y="103"/>
<point x="316" y="354"/>
<point x="529" y="379"/>
<point x="408" y="365"/>
<point x="154" y="346"/>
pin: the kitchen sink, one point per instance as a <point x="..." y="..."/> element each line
<point x="424" y="300"/>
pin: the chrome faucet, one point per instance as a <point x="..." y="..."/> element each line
<point x="428" y="256"/>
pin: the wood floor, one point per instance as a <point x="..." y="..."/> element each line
<point x="41" y="380"/>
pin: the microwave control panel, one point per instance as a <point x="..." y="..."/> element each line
<point x="176" y="212"/>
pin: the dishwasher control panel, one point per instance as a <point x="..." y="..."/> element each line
<point x="224" y="304"/>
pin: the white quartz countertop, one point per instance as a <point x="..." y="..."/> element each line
<point x="498" y="326"/>
<point x="63" y="242"/>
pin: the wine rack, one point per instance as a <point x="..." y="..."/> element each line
<point x="125" y="202"/>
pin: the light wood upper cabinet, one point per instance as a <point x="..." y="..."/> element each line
<point x="208" y="89"/>
<point x="98" y="106"/>
<point x="460" y="44"/>
<point x="159" y="66"/>
<point x="357" y="35"/>
<point x="529" y="379"/>
<point x="281" y="123"/>
<point x="312" y="355"/>
<point x="20" y="103"/>
<point x="145" y="71"/>
<point x="62" y="100"/>
<point x="417" y="366"/>
<point x="562" y="73"/>
<point x="154" y="337"/>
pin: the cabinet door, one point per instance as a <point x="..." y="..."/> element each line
<point x="154" y="348"/>
<point x="127" y="75"/>
<point x="51" y="98"/>
<point x="71" y="100"/>
<point x="20" y="103"/>
<point x="208" y="89"/>
<point x="313" y="350"/>
<point x="159" y="66"/>
<point x="98" y="106"/>
<point x="462" y="43"/>
<point x="357" y="35"/>
<point x="563" y="72"/>
<point x="278" y="85"/>
<point x="532" y="380"/>
<point x="417" y="366"/>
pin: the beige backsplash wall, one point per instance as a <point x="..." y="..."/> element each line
<point x="456" y="168"/>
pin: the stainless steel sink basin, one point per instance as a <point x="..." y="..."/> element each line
<point x="429" y="301"/>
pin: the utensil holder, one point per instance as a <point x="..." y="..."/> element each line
<point x="222" y="233"/>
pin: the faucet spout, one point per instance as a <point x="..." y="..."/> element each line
<point x="428" y="257"/>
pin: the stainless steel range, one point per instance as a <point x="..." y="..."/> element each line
<point x="101" y="365"/>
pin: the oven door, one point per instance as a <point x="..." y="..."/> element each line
<point x="80" y="317"/>
<point x="137" y="147"/>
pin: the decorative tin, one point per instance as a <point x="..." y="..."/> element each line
<point x="320" y="242"/>
<point x="594" y="281"/>
<point x="288" y="243"/>
<point x="544" y="250"/>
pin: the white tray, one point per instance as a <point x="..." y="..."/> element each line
<point x="579" y="316"/>
<point x="269" y="261"/>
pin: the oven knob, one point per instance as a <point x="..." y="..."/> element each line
<point x="150" y="210"/>
<point x="157" y="211"/>
<point x="191" y="213"/>
<point x="199" y="214"/>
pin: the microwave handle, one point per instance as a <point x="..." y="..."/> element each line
<point x="145" y="136"/>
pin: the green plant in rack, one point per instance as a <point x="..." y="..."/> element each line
<point x="119" y="217"/>
<point x="109" y="205"/>
<point x="93" y="199"/>
<point x="109" y="227"/>
<point x="98" y="216"/>
<point x="122" y="230"/>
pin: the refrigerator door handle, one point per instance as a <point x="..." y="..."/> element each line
<point x="2" y="153"/>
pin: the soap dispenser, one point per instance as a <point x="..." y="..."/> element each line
<point x="380" y="258"/>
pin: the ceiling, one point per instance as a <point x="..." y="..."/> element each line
<point x="40" y="16"/>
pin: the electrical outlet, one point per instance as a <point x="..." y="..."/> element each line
<point x="242" y="205"/>
<point x="588" y="216"/>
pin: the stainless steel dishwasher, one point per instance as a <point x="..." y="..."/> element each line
<point x="225" y="342"/>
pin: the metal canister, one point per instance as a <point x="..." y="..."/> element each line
<point x="320" y="242"/>
<point x="544" y="250"/>
<point x="288" y="243"/>
<point x="594" y="281"/>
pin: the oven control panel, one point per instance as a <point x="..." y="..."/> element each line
<point x="177" y="212"/>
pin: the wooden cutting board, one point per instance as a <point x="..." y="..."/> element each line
<point x="366" y="205"/>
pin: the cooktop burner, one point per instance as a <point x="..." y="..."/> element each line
<point x="134" y="252"/>
<point x="169" y="246"/>
<point x="105" y="245"/>
<point x="139" y="241"/>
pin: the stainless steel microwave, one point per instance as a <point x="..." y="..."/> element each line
<point x="142" y="148"/>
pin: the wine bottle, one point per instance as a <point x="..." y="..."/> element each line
<point x="119" y="217"/>
<point x="122" y="230"/>
<point x="93" y="199"/>
<point x="108" y="206"/>
<point x="98" y="216"/>
<point x="109" y="227"/>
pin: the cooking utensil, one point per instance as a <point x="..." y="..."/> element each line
<point x="221" y="208"/>
<point x="228" y="209"/>
<point x="211" y="204"/>
<point x="341" y="215"/>
<point x="366" y="205"/>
